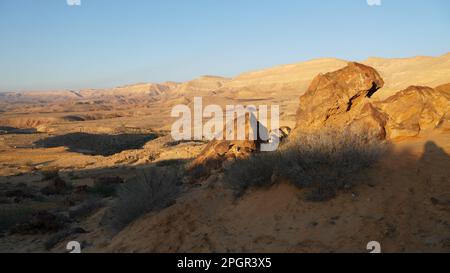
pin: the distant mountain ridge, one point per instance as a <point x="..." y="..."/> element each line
<point x="286" y="80"/>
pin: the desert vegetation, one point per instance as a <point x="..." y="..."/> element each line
<point x="323" y="162"/>
<point x="152" y="189"/>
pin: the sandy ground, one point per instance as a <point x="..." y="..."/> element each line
<point x="396" y="206"/>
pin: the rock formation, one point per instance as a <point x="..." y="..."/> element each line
<point x="337" y="98"/>
<point x="413" y="110"/>
<point x="341" y="100"/>
<point x="445" y="90"/>
<point x="217" y="152"/>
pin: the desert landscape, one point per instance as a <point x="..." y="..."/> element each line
<point x="365" y="156"/>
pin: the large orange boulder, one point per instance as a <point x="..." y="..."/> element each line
<point x="335" y="99"/>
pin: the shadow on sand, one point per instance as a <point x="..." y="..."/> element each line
<point x="97" y="144"/>
<point x="12" y="130"/>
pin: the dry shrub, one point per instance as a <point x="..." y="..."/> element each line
<point x="10" y="215"/>
<point x="323" y="162"/>
<point x="153" y="189"/>
<point x="254" y="172"/>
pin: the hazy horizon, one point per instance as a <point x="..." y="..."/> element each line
<point x="103" y="44"/>
<point x="231" y="76"/>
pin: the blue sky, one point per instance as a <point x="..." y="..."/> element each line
<point x="47" y="44"/>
